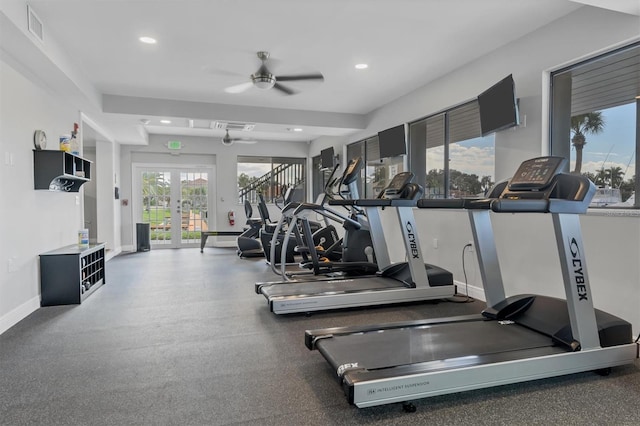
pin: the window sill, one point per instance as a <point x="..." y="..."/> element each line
<point x="614" y="212"/>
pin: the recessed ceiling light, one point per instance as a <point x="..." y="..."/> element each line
<point x="165" y="121"/>
<point x="362" y="66"/>
<point x="294" y="129"/>
<point x="148" y="40"/>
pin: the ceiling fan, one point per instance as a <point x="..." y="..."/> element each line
<point x="228" y="140"/>
<point x="264" y="79"/>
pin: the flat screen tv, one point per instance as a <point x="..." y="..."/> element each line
<point x="326" y="158"/>
<point x="498" y="106"/>
<point x="392" y="142"/>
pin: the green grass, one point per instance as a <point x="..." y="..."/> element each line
<point x="166" y="235"/>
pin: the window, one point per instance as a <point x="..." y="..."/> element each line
<point x="378" y="171"/>
<point x="448" y="154"/>
<point x="594" y="123"/>
<point x="271" y="177"/>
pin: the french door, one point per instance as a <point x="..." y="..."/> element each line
<point x="175" y="203"/>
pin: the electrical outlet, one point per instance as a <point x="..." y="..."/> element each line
<point x="435" y="243"/>
<point x="471" y="244"/>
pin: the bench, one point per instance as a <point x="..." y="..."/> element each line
<point x="205" y="234"/>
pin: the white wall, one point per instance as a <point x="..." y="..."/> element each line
<point x="225" y="158"/>
<point x="32" y="221"/>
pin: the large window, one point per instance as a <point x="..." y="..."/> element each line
<point x="271" y="177"/>
<point x="449" y="156"/>
<point x="378" y="171"/>
<point x="594" y="123"/>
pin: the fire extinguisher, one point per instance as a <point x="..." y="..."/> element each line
<point x="232" y="218"/>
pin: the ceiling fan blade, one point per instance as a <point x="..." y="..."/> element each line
<point x="239" y="88"/>
<point x="284" y="89"/>
<point x="245" y="141"/>
<point x="317" y="76"/>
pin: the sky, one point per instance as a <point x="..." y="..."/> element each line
<point x="615" y="146"/>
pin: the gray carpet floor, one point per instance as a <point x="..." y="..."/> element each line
<point x="179" y="337"/>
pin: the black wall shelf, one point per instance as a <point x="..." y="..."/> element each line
<point x="59" y="171"/>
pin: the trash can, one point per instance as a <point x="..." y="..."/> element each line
<point x="143" y="237"/>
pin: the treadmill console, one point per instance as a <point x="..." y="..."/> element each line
<point x="534" y="178"/>
<point x="398" y="183"/>
<point x="536" y="174"/>
<point x="352" y="171"/>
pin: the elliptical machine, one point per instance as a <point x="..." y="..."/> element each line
<point x="248" y="242"/>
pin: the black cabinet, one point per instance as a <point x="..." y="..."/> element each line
<point x="70" y="274"/>
<point x="59" y="171"/>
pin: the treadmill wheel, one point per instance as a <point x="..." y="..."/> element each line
<point x="603" y="371"/>
<point x="408" y="407"/>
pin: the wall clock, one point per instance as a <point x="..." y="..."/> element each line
<point x="40" y="139"/>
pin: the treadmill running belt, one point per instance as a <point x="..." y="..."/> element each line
<point x="333" y="286"/>
<point x="404" y="346"/>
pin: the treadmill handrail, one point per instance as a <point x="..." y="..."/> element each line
<point x="401" y="202"/>
<point x="326" y="212"/>
<point x="505" y="205"/>
<point x="342" y="202"/>
<point x="373" y="202"/>
<point x="441" y="203"/>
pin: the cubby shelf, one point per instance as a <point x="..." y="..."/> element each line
<point x="70" y="274"/>
<point x="59" y="171"/>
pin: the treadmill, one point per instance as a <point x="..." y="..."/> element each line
<point x="402" y="282"/>
<point x="515" y="339"/>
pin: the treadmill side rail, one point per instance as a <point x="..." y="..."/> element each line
<point x="341" y="300"/>
<point x="363" y="391"/>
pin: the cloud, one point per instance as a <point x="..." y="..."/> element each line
<point x="466" y="159"/>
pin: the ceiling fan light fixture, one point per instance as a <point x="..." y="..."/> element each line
<point x="263" y="81"/>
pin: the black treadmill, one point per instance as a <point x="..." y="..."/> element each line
<point x="516" y="339"/>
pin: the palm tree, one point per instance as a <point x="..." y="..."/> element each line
<point x="600" y="177"/>
<point x="581" y="125"/>
<point x="616" y="176"/>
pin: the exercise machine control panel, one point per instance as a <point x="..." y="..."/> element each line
<point x="398" y="183"/>
<point x="537" y="173"/>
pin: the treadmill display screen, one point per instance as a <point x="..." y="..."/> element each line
<point x="400" y="180"/>
<point x="536" y="173"/>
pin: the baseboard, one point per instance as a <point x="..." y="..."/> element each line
<point x="110" y="254"/>
<point x="473" y="291"/>
<point x="18" y="314"/>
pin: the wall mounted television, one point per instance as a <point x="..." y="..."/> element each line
<point x="392" y="142"/>
<point x="498" y="106"/>
<point x="326" y="158"/>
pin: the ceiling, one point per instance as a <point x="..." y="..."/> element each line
<point x="206" y="46"/>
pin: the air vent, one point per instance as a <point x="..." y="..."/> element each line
<point x="231" y="125"/>
<point x="34" y="24"/>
